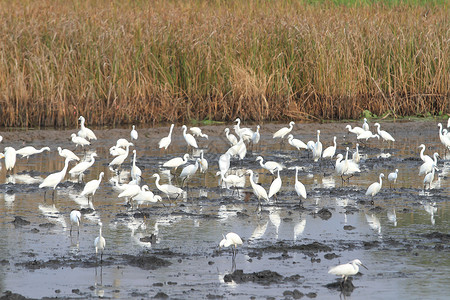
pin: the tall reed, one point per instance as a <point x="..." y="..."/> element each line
<point x="154" y="61"/>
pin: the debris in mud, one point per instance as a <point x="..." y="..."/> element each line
<point x="148" y="239"/>
<point x="331" y="255"/>
<point x="265" y="277"/>
<point x="85" y="211"/>
<point x="349" y="227"/>
<point x="283" y="247"/>
<point x="19" y="221"/>
<point x="295" y="294"/>
<point x="161" y="295"/>
<point x="324" y="214"/>
<point x="47" y="225"/>
<point x="368" y="245"/>
<point x="438" y="236"/>
<point x="8" y="295"/>
<point x="146" y="262"/>
<point x="376" y="209"/>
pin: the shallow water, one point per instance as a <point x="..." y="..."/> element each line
<point x="389" y="237"/>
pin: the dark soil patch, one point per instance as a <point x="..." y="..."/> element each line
<point x="146" y="262"/>
<point x="19" y="221"/>
<point x="265" y="277"/>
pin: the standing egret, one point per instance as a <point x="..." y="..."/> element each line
<point x="135" y="170"/>
<point x="100" y="243"/>
<point x="116" y="151"/>
<point x="54" y="179"/>
<point x="270" y="166"/>
<point x="330" y="151"/>
<point x="275" y="186"/>
<point x="91" y="187"/>
<point x="258" y="190"/>
<point x="317" y="152"/>
<point x="392" y="177"/>
<point x="245" y="133"/>
<point x="196" y="131"/>
<point x="145" y="196"/>
<point x="10" y="158"/>
<point x="231" y="180"/>
<point x="356" y="130"/>
<point x="78" y="140"/>
<point x="365" y="125"/>
<point x="81" y="167"/>
<point x="445" y="140"/>
<point x="425" y="158"/>
<point x="384" y="134"/>
<point x="426" y="167"/>
<point x="165" y="141"/>
<point x="356" y="157"/>
<point x="231" y="239"/>
<point x="176" y="162"/>
<point x="66" y="153"/>
<point x="118" y="160"/>
<point x="256" y="137"/>
<point x="203" y="163"/>
<point x="169" y="190"/>
<point x="375" y="187"/>
<point x="429" y="178"/>
<point x="230" y="137"/>
<point x="75" y="219"/>
<point x="281" y="133"/>
<point x="296" y="143"/>
<point x="30" y="150"/>
<point x="131" y="191"/>
<point x="189" y="138"/>
<point x="123" y="143"/>
<point x="348" y="269"/>
<point x="189" y="170"/>
<point x="365" y="135"/>
<point x="134" y="134"/>
<point x="224" y="163"/>
<point x="85" y="132"/>
<point x="299" y="187"/>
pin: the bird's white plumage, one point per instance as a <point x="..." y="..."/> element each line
<point x="275" y="186"/>
<point x="54" y="179"/>
<point x="427" y="166"/>
<point x="270" y="166"/>
<point x="231" y="239"/>
<point x="356" y="130"/>
<point x="384" y="134"/>
<point x="299" y="187"/>
<point x="281" y="133"/>
<point x="134" y="134"/>
<point x="78" y="140"/>
<point x="296" y="143"/>
<point x="10" y="158"/>
<point x="67" y="154"/>
<point x="258" y="190"/>
<point x="392" y="177"/>
<point x="375" y="187"/>
<point x="230" y="137"/>
<point x="30" y="150"/>
<point x="85" y="132"/>
<point x="99" y="241"/>
<point x="168" y="189"/>
<point x="91" y="187"/>
<point x="81" y="167"/>
<point x="165" y="141"/>
<point x="189" y="138"/>
<point x="330" y="151"/>
<point x="176" y="161"/>
<point x="348" y="269"/>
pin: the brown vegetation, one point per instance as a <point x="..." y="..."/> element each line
<point x="151" y="61"/>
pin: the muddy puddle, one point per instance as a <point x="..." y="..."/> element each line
<point x="170" y="250"/>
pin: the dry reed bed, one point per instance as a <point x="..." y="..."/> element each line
<point x="155" y="61"/>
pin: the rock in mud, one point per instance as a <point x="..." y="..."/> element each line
<point x="161" y="295"/>
<point x="47" y="225"/>
<point x="438" y="236"/>
<point x="324" y="214"/>
<point x="19" y="221"/>
<point x="146" y="262"/>
<point x="295" y="294"/>
<point x="349" y="227"/>
<point x="8" y="295"/>
<point x="265" y="277"/>
<point x="148" y="239"/>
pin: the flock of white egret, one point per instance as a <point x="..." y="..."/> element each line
<point x="239" y="142"/>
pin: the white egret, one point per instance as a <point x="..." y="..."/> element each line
<point x="445" y="140"/>
<point x="300" y="187"/>
<point x="356" y="130"/>
<point x="258" y="190"/>
<point x="296" y="143"/>
<point x="392" y="177"/>
<point x="230" y="137"/>
<point x="356" y="157"/>
<point x="231" y="239"/>
<point x="189" y="170"/>
<point x="203" y="163"/>
<point x="317" y="151"/>
<point x="54" y="179"/>
<point x="245" y="133"/>
<point x="78" y="140"/>
<point x="231" y="180"/>
<point x="81" y="167"/>
<point x="176" y="162"/>
<point x="375" y="187"/>
<point x="75" y="219"/>
<point x="189" y="138"/>
<point x="235" y="149"/>
<point x="367" y="135"/>
<point x="281" y="133"/>
<point x="384" y="134"/>
<point x="196" y="131"/>
<point x="85" y="132"/>
<point x="116" y="151"/>
<point x="10" y="158"/>
<point x="168" y="189"/>
<point x="145" y="196"/>
<point x="123" y="143"/>
<point x="100" y="243"/>
<point x="365" y="125"/>
<point x="256" y="136"/>
<point x="91" y="187"/>
<point x="224" y="162"/>
<point x="275" y="186"/>
<point x="1" y="138"/>
<point x="134" y="134"/>
<point x="66" y="153"/>
<point x="348" y="269"/>
<point x="165" y="141"/>
<point x="131" y="191"/>
<point x="30" y="150"/>
<point x="429" y="178"/>
<point x="118" y="160"/>
<point x="330" y="151"/>
<point x="135" y="172"/>
<point x="426" y="167"/>
<point x="270" y="166"/>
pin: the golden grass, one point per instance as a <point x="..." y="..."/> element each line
<point x="155" y="61"/>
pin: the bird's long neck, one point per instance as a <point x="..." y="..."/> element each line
<point x="381" y="180"/>
<point x="296" y="174"/>
<point x="100" y="231"/>
<point x="170" y="131"/>
<point x="134" y="159"/>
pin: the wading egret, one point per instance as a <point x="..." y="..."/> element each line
<point x="169" y="190"/>
<point x="224" y="163"/>
<point x="118" y="160"/>
<point x="30" y="150"/>
<point x="426" y="167"/>
<point x="91" y="187"/>
<point x="348" y="269"/>
<point x="230" y="137"/>
<point x="75" y="219"/>
<point x="189" y="138"/>
<point x="356" y="157"/>
<point x="123" y="143"/>
<point x="135" y="170"/>
<point x="256" y="136"/>
<point x="281" y="133"/>
<point x="232" y="180"/>
<point x="165" y="141"/>
<point x="54" y="179"/>
<point x="392" y="177"/>
<point x="445" y="140"/>
<point x="356" y="130"/>
<point x="116" y="151"/>
<point x="100" y="243"/>
<point x="10" y="158"/>
<point x="131" y="191"/>
<point x="375" y="187"/>
<point x="145" y="196"/>
<point x="270" y="166"/>
<point x="231" y="239"/>
<point x="66" y="153"/>
<point x="245" y="133"/>
<point x="134" y="134"/>
<point x="384" y="134"/>
<point x="78" y="140"/>
<point x="365" y="125"/>
<point x="85" y="132"/>
<point x="317" y="151"/>
<point x="81" y="167"/>
<point x="300" y="187"/>
<point x="296" y="143"/>
<point x="203" y="163"/>
<point x="176" y="162"/>
<point x="258" y="190"/>
<point x="275" y="186"/>
<point x="330" y="151"/>
<point x="429" y="178"/>
<point x="367" y="135"/>
<point x="189" y="170"/>
<point x="196" y="131"/>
